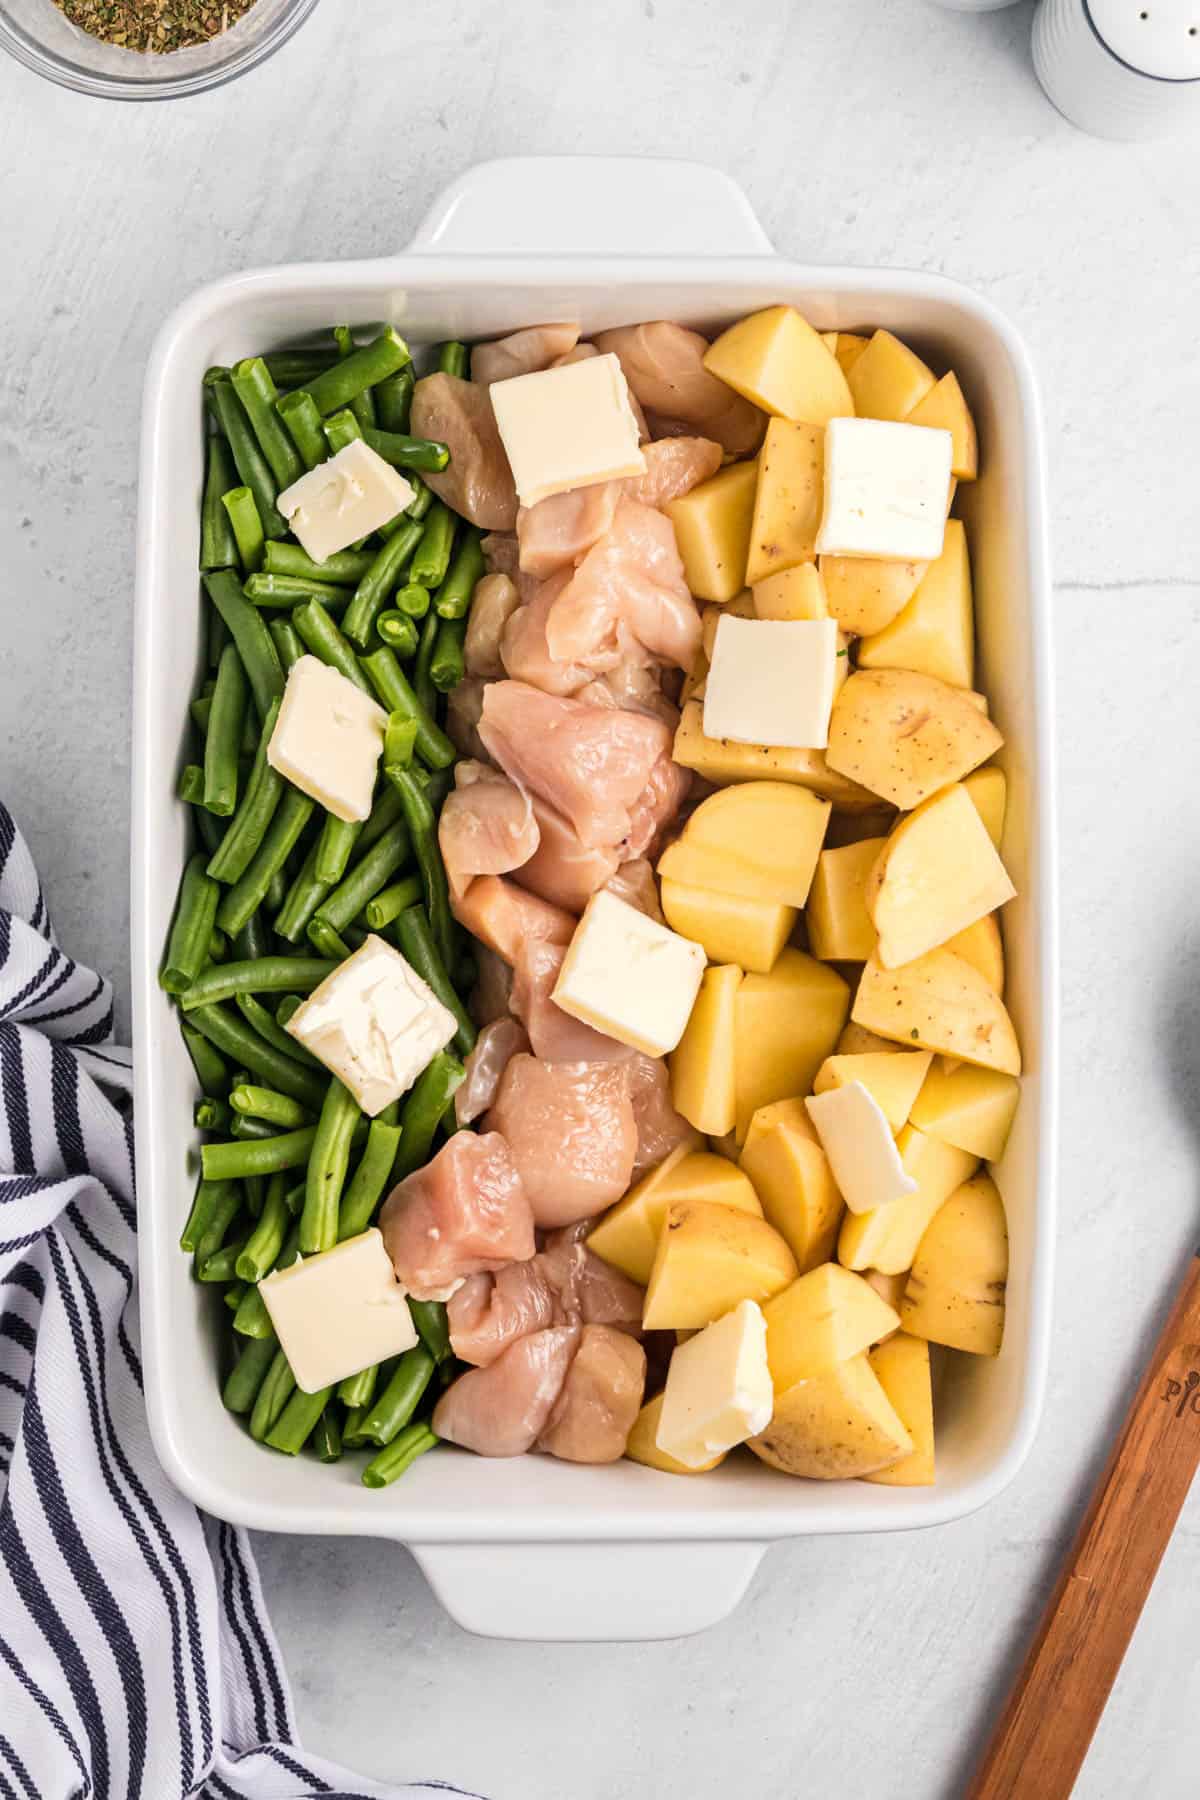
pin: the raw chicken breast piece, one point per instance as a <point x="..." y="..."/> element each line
<point x="486" y="826"/>
<point x="523" y="352"/>
<point x="561" y="869"/>
<point x="524" y="650"/>
<point x="560" y="530"/>
<point x="493" y="986"/>
<point x="627" y="595"/>
<point x="498" y="1042"/>
<point x="493" y="603"/>
<point x="674" y="466"/>
<point x="501" y="553"/>
<point x="589" y="1289"/>
<point x="636" y="883"/>
<point x="502" y="1410"/>
<point x="590" y="764"/>
<point x="502" y="915"/>
<point x="571" y="1135"/>
<point x="478" y="482"/>
<point x="656" y="807"/>
<point x="489" y="1312"/>
<point x="633" y="686"/>
<point x="660" y="1129"/>
<point x="598" y="1402"/>
<point x="663" y="365"/>
<point x="464" y="707"/>
<point x="464" y="1213"/>
<point x="553" y="1034"/>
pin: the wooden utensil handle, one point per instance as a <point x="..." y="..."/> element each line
<point x="1042" y="1737"/>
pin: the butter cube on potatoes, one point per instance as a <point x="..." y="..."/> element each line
<point x="328" y="738"/>
<point x="718" y="1390"/>
<point x="885" y="490"/>
<point x="858" y="1141"/>
<point x="339" y="1312"/>
<point x="771" y="682"/>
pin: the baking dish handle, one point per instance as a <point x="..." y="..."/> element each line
<point x="589" y="1593"/>
<point x="592" y="205"/>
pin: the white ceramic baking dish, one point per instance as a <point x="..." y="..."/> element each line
<point x="533" y="1547"/>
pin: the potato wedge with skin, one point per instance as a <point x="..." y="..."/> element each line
<point x="865" y="593"/>
<point x="901" y="1364"/>
<point x="793" y="1181"/>
<point x="937" y="874"/>
<point x="722" y="761"/>
<point x="709" y="1258"/>
<point x="988" y="789"/>
<point x="703" y="1175"/>
<point x="642" y="1444"/>
<point x="904" y="735"/>
<point x="939" y="1002"/>
<point x="712" y="531"/>
<point x="834" y="1426"/>
<point x="890" y="1288"/>
<point x="627" y="1236"/>
<point x="956" y="1291"/>
<point x="945" y="409"/>
<point x="934" y="634"/>
<point x="786" y="1024"/>
<point x="850" y="346"/>
<point x="788" y="499"/>
<point x="982" y="946"/>
<point x="797" y="593"/>
<point x="893" y="1082"/>
<point x="770" y="827"/>
<point x="775" y="359"/>
<point x="973" y="1109"/>
<point x="822" y="1319"/>
<point x="731" y="927"/>
<point x="887" y="1238"/>
<point x="703" y="1064"/>
<point x="839" y="925"/>
<point x="888" y="380"/>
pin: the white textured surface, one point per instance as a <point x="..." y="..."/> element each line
<point x="897" y="134"/>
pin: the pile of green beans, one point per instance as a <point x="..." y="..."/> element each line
<point x="276" y="891"/>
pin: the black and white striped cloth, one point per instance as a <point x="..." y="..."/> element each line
<point x="136" y="1658"/>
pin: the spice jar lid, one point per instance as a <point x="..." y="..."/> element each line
<point x="1155" y="37"/>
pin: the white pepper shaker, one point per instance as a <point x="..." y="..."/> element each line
<point x="1121" y="68"/>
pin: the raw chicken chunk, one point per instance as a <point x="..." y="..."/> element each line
<point x="633" y="686"/>
<point x="486" y="826"/>
<point x="674" y="466"/>
<point x="489" y="1312"/>
<point x="502" y="915"/>
<point x="554" y="1035"/>
<point x="464" y="1213"/>
<point x="659" y="1127"/>
<point x="499" y="1041"/>
<point x="635" y="883"/>
<point x="524" y="650"/>
<point x="523" y="352"/>
<point x="502" y="1410"/>
<point x="598" y="1402"/>
<point x="656" y="807"/>
<point x="478" y="482"/>
<point x="560" y="530"/>
<point x="493" y="603"/>
<point x="561" y="869"/>
<point x="664" y="368"/>
<point x="588" y="1288"/>
<point x="628" y="595"/>
<point x="493" y="985"/>
<point x="571" y="1135"/>
<point x="464" y="706"/>
<point x="501" y="554"/>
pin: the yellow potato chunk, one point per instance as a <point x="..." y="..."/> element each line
<point x="855" y="1041"/>
<point x="939" y="1002"/>
<point x="768" y="828"/>
<point x="890" y="1288"/>
<point x="821" y="1319"/>
<point x="695" y="680"/>
<point x="865" y="593"/>
<point x="988" y="789"/>
<point x="955" y="1294"/>
<point x="902" y="1366"/>
<point x="792" y="1178"/>
<point x="834" y="1426"/>
<point x="797" y="593"/>
<point x="712" y="530"/>
<point x="839" y="925"/>
<point x="893" y="1081"/>
<point x="775" y="359"/>
<point x="731" y="927"/>
<point x="720" y="760"/>
<point x="904" y="736"/>
<point x="627" y="1236"/>
<point x="888" y="380"/>
<point x="937" y="874"/>
<point x="725" y="1145"/>
<point x="788" y="499"/>
<point x="740" y="607"/>
<point x="972" y="1109"/>
<point x="935" y="632"/>
<point x="849" y="348"/>
<point x="786" y="1024"/>
<point x="710" y="1257"/>
<point x="642" y="1444"/>
<point x="982" y="946"/>
<point x="703" y="1065"/>
<point x="887" y="1237"/>
<point x="944" y="409"/>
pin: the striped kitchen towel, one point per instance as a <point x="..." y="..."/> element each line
<point x="136" y="1658"/>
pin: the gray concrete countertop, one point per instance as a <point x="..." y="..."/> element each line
<point x="888" y="134"/>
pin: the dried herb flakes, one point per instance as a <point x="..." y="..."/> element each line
<point x="158" y="26"/>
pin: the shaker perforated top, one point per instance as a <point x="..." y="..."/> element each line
<point x="1155" y="37"/>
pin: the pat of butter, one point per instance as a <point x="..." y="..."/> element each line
<point x="772" y="682"/>
<point x="567" y="428"/>
<point x="328" y="739"/>
<point x="344" y="498"/>
<point x="339" y="1312"/>
<point x="629" y="976"/>
<point x="886" y="488"/>
<point x="718" y="1390"/>
<point x="375" y="1024"/>
<point x="858" y="1142"/>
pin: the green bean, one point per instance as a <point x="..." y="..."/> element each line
<point x="335" y="846"/>
<point x="265" y="1103"/>
<point x="218" y="547"/>
<point x="262" y="1247"/>
<point x="291" y="367"/>
<point x="422" y="826"/>
<point x="341" y="383"/>
<point x="370" y="1179"/>
<point x="371" y="594"/>
<point x="287" y="1009"/>
<point x="250" y="890"/>
<point x="292" y="590"/>
<point x="417" y="944"/>
<point x="431" y="558"/>
<point x="399" y="741"/>
<point x="398" y="1402"/>
<point x="269" y="974"/>
<point x="447" y="666"/>
<point x="287" y="642"/>
<point x="238" y="1042"/>
<point x="247" y="527"/>
<point x="397" y="694"/>
<point x="397" y="631"/>
<point x="252" y="465"/>
<point x="452" y="358"/>
<point x="342" y="429"/>
<point x="260" y="658"/>
<point x="373" y="870"/>
<point x="303" y="423"/>
<point x="351" y="1433"/>
<point x="249" y="825"/>
<point x="327" y="1436"/>
<point x="254" y="1188"/>
<point x="390" y="902"/>
<point x="427" y="1100"/>
<point x="191" y="784"/>
<point x="405" y="452"/>
<point x="295" y="1199"/>
<point x="453" y="598"/>
<point x="260" y="1020"/>
<point x="298" y="1420"/>
<point x="224" y="735"/>
<point x="244" y="1128"/>
<point x="437" y="784"/>
<point x="257" y="1156"/>
<point x="234" y="1294"/>
<point x="277" y="889"/>
<point x="420" y="505"/>
<point x="398" y="1456"/>
<point x="208" y="1194"/>
<point x="422" y="682"/>
<point x="200" y="708"/>
<point x="393" y="400"/>
<point x="330" y="943"/>
<point x="327" y="1167"/>
<point x="221" y="1266"/>
<point x="273" y="1395"/>
<point x="218" y="631"/>
<point x="207" y="1061"/>
<point x="359" y="1390"/>
<point x="345" y="568"/>
<point x="195" y="912"/>
<point x="412" y="600"/>
<point x="248" y="1373"/>
<point x="251" y="942"/>
<point x="324" y="639"/>
<point x="252" y="1318"/>
<point x="257" y="392"/>
<point x="433" y="1327"/>
<point x="303" y="898"/>
<point x="223" y="1210"/>
<point x="212" y="1115"/>
<point x="362" y="405"/>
